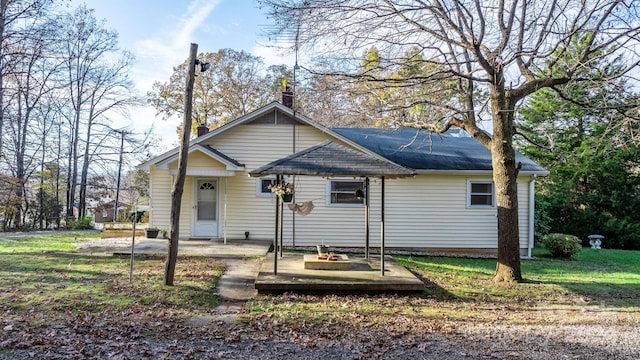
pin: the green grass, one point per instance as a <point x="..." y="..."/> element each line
<point x="48" y="242"/>
<point x="601" y="286"/>
<point x="44" y="279"/>
<point x="596" y="275"/>
<point x="46" y="275"/>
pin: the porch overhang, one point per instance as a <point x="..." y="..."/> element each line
<point x="205" y="172"/>
<point x="329" y="159"/>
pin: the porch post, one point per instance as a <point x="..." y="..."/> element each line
<point x="275" y="236"/>
<point x="281" y="209"/>
<point x="382" y="227"/>
<point x="366" y="218"/>
<point x="225" y="211"/>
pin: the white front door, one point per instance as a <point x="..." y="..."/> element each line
<point x="206" y="209"/>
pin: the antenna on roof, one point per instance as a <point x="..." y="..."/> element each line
<point x="294" y="107"/>
<point x="295" y="68"/>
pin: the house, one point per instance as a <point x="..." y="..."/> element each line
<point x="448" y="205"/>
<point x="104" y="212"/>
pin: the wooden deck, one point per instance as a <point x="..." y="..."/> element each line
<point x="364" y="276"/>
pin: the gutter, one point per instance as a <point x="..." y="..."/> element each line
<point x="532" y="208"/>
<point x="475" y="172"/>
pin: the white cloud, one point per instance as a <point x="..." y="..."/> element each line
<point x="196" y="14"/>
<point x="274" y="56"/>
<point x="158" y="55"/>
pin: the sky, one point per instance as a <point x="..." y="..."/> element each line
<point x="159" y="34"/>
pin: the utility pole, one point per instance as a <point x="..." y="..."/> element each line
<point x="176" y="194"/>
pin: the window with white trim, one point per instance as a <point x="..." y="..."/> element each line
<point x="345" y="192"/>
<point x="480" y="193"/>
<point x="262" y="185"/>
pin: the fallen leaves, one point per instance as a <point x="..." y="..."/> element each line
<point x="91" y="310"/>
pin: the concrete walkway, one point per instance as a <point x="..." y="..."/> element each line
<point x="235" y="287"/>
<point x="213" y="248"/>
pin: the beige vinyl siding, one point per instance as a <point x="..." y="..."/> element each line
<point x="523" y="211"/>
<point x="431" y="211"/>
<point x="160" y="201"/>
<point x="160" y="198"/>
<point x="186" y="210"/>
<point x="427" y="211"/>
<point x="255" y="145"/>
<point x="334" y="225"/>
<point x="199" y="161"/>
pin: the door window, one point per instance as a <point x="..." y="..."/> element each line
<point x="207" y="200"/>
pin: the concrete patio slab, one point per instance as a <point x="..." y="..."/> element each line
<point x="234" y="248"/>
<point x="363" y="277"/>
<point x="248" y="271"/>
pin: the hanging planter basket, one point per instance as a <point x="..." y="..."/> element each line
<point x="284" y="190"/>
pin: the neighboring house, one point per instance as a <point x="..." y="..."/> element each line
<point x="104" y="212"/>
<point x="448" y="205"/>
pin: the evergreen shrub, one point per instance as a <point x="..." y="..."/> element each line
<point x="562" y="245"/>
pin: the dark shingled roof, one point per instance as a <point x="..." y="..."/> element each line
<point x="223" y="156"/>
<point x="331" y="159"/>
<point x="423" y="150"/>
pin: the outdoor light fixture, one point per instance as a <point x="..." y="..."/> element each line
<point x="203" y="66"/>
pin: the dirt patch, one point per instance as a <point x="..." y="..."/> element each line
<point x="108" y="245"/>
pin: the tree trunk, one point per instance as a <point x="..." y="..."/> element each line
<point x="73" y="165"/>
<point x="176" y="195"/>
<point x="3" y="11"/>
<point x="58" y="165"/>
<point x="41" y="211"/>
<point x="505" y="174"/>
<point x="117" y="202"/>
<point x="20" y="172"/>
<point x="82" y="199"/>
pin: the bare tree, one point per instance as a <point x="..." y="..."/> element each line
<point x="12" y="12"/>
<point x="110" y="92"/>
<point x="62" y="80"/>
<point x="97" y="87"/>
<point x="510" y="49"/>
<point x="29" y="83"/>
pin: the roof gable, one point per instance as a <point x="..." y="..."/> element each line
<point x="259" y="116"/>
<point x="229" y="162"/>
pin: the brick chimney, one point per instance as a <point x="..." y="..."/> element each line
<point x="202" y="129"/>
<point x="287" y="97"/>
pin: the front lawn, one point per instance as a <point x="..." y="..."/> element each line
<point x="58" y="303"/>
<point x="610" y="276"/>
<point x="45" y="275"/>
<point x="600" y="287"/>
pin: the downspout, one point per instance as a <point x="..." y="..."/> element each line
<point x="225" y="211"/>
<point x="532" y="208"/>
